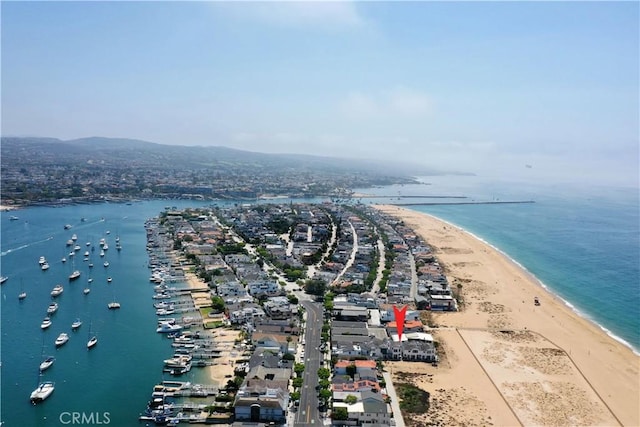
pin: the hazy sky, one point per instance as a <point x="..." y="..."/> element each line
<point x="480" y="87"/>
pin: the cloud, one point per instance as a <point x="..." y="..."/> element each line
<point x="326" y="15"/>
<point x="399" y="102"/>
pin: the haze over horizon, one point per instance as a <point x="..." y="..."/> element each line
<point x="484" y="88"/>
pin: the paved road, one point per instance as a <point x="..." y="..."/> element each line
<point x="308" y="413"/>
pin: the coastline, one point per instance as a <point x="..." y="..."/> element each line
<point x="498" y="294"/>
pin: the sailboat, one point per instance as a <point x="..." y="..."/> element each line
<point x="75" y="274"/>
<point x="93" y="339"/>
<point x="113" y="305"/>
<point x="22" y="295"/>
<point x="41" y="392"/>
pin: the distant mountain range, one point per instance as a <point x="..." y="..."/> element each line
<point x="118" y="152"/>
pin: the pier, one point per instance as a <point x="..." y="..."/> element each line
<point x="496" y="202"/>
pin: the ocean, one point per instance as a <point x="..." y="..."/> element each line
<point x="583" y="244"/>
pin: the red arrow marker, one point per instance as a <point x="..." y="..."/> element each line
<point x="399" y="316"/>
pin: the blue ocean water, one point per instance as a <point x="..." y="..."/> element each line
<point x="582" y="242"/>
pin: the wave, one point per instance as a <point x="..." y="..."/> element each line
<point x="542" y="285"/>
<point x="8" y="251"/>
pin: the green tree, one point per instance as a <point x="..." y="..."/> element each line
<point x="350" y="399"/>
<point x="324" y="373"/>
<point x="298" y="368"/>
<point x="340" y="414"/>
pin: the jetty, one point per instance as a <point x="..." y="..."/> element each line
<point x="493" y="202"/>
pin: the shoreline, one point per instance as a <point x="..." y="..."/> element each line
<point x="544" y="286"/>
<point x="599" y="374"/>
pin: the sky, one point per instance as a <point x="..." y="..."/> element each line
<point x="477" y="87"/>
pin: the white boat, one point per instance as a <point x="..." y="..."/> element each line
<point x="42" y="260"/>
<point x="75" y="325"/>
<point x="86" y="291"/>
<point x="3" y="279"/>
<point x="13" y="218"/>
<point x="62" y="339"/>
<point x="105" y="247"/>
<point x="109" y="279"/>
<point x="69" y="242"/>
<point x="74" y="275"/>
<point x="106" y="264"/>
<point x="43" y="391"/>
<point x="89" y="280"/>
<point x="67" y="226"/>
<point x="63" y="259"/>
<point x="86" y="253"/>
<point x="101" y="253"/>
<point x="74" y="237"/>
<point x="113" y="305"/>
<point x="53" y="307"/>
<point x="57" y="290"/>
<point x="165" y="311"/>
<point x="90" y="265"/>
<point x="92" y="342"/>
<point x="46" y="322"/>
<point x="167" y="328"/>
<point x="46" y="363"/>
<point x="76" y="248"/>
<point x="178" y="360"/>
<point x="45" y="266"/>
<point x="88" y="243"/>
<point x="22" y="295"/>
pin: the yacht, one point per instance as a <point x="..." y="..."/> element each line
<point x="74" y="237"/>
<point x="86" y="291"/>
<point x="106" y="264"/>
<point x="62" y="339"/>
<point x="46" y="364"/>
<point x="113" y="305"/>
<point x="92" y="342"/>
<point x="43" y="391"/>
<point x="86" y="253"/>
<point x="57" y="290"/>
<point x="63" y="259"/>
<point x="76" y="248"/>
<point x="109" y="279"/>
<point x="101" y="253"/>
<point x="74" y="275"/>
<point x="22" y="295"/>
<point x="75" y="325"/>
<point x="3" y="279"/>
<point x="45" y="266"/>
<point x="105" y="247"/>
<point x="165" y="311"/>
<point x="69" y="242"/>
<point x="53" y="307"/>
<point x="67" y="226"/>
<point x="42" y="260"/>
<point x="45" y="323"/>
<point x="166" y="328"/>
<point x="13" y="218"/>
<point x="89" y="280"/>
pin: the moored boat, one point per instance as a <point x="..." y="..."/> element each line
<point x="75" y="325"/>
<point x="3" y="279"/>
<point x="46" y="363"/>
<point x="45" y="266"/>
<point x="46" y="322"/>
<point x="62" y="339"/>
<point x="53" y="307"/>
<point x="57" y="290"/>
<point x="74" y="275"/>
<point x="92" y="342"/>
<point x="113" y="305"/>
<point x="41" y="392"/>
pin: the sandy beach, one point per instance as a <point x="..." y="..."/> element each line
<point x="507" y="361"/>
<point x="225" y="339"/>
